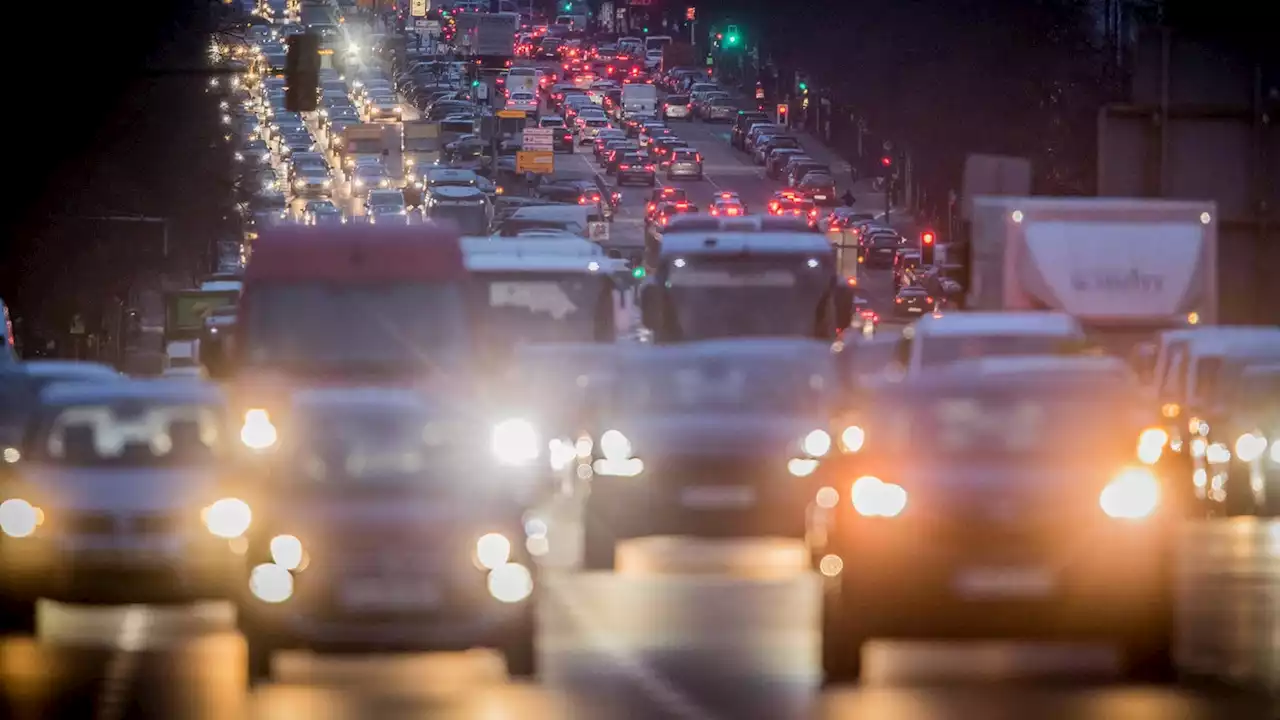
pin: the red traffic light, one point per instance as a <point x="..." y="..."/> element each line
<point x="886" y="161"/>
<point x="927" y="237"/>
<point x="691" y="13"/>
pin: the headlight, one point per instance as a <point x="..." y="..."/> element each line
<point x="816" y="443"/>
<point x="1275" y="452"/>
<point x="510" y="583"/>
<point x="873" y="497"/>
<point x="1132" y="495"/>
<point x="328" y="183"/>
<point x="493" y="551"/>
<point x="19" y="518"/>
<point x="853" y="438"/>
<point x="615" y="446"/>
<point x="1250" y="447"/>
<point x="228" y="518"/>
<point x="11" y="455"/>
<point x="1151" y="445"/>
<point x="286" y="551"/>
<point x="271" y="583"/>
<point x="299" y="184"/>
<point x="515" y="442"/>
<point x="258" y="433"/>
<point x="802" y="467"/>
<point x="1217" y="454"/>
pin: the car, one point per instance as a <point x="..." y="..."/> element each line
<point x="371" y="523"/>
<point x="912" y="302"/>
<point x="659" y="196"/>
<point x="714" y="439"/>
<point x="676" y="107"/>
<point x="117" y="499"/>
<point x="821" y="188"/>
<point x="634" y="167"/>
<point x="727" y="208"/>
<point x="370" y="176"/>
<point x="524" y="101"/>
<point x="973" y="520"/>
<point x="685" y="163"/>
<point x="561" y="135"/>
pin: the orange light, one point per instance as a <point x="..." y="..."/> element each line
<point x="898" y="300"/>
<point x="733" y="211"/>
<point x="928" y="300"/>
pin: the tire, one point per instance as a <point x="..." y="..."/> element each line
<point x="521" y="653"/>
<point x="17" y="616"/>
<point x="258" y="660"/>
<point x="841" y="645"/>
<point x="599" y="545"/>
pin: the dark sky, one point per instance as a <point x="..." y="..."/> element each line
<point x="90" y="136"/>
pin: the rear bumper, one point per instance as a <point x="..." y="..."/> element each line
<point x="1095" y="583"/>
<point x="678" y="170"/>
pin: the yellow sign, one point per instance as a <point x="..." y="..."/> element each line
<point x="511" y="113"/>
<point x="541" y="162"/>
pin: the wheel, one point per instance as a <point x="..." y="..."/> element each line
<point x="599" y="545"/>
<point x="17" y="616"/>
<point x="841" y="646"/>
<point x="258" y="665"/>
<point x="521" y="654"/>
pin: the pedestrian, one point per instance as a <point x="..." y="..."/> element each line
<point x="848" y="198"/>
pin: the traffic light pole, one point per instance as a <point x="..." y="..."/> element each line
<point x="888" y="196"/>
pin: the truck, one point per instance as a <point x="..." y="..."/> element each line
<point x="421" y="148"/>
<point x="678" y="54"/>
<point x="1125" y="268"/>
<point x="372" y="140"/>
<point x="490" y="37"/>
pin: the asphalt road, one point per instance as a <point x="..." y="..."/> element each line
<point x="662" y="638"/>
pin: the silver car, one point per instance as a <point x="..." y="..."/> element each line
<point x="685" y="163"/>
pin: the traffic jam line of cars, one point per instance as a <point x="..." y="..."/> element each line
<point x="937" y="501"/>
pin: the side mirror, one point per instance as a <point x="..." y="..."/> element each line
<point x="651" y="306"/>
<point x="843" y="297"/>
<point x="1143" y="361"/>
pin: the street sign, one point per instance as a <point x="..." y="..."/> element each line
<point x="540" y="162"/>
<point x="517" y="114"/>
<point x="466" y="41"/>
<point x="537" y="139"/>
<point x="422" y="25"/>
<point x="433" y="27"/>
<point x="418" y="8"/>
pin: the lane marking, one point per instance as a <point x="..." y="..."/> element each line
<point x="123" y="666"/>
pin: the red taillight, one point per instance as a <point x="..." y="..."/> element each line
<point x="648" y="167"/>
<point x="582" y="199"/>
<point x="650" y="207"/>
<point x="609" y="69"/>
<point x="624" y="167"/>
<point x="898" y="300"/>
<point x="929" y="300"/>
<point x="682" y="205"/>
<point x="813" y="213"/>
<point x="715" y="211"/>
<point x="664" y="221"/>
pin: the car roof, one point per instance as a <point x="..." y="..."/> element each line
<point x="740" y="243"/>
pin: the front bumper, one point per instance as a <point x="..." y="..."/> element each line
<point x="119" y="569"/>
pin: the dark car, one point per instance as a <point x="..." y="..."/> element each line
<point x="912" y="302"/>
<point x="965" y="515"/>
<point x="634" y="167"/>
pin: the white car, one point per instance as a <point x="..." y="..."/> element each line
<point x="525" y="101"/>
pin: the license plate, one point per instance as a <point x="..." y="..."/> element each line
<point x="1004" y="583"/>
<point x="389" y="593"/>
<point x="919" y="310"/>
<point x="819" y="197"/>
<point x="717" y="497"/>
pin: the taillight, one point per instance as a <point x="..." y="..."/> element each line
<point x="929" y="300"/>
<point x="624" y="167"/>
<point x="582" y="199"/>
<point x="648" y="167"/>
<point x="733" y="211"/>
<point x="715" y="211"/>
<point x="898" y="300"/>
<point x="664" y="221"/>
<point x="650" y="207"/>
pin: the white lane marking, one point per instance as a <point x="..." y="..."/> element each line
<point x="120" y="671"/>
<point x="675" y="703"/>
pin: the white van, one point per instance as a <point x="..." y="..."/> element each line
<point x="639" y="98"/>
<point x="937" y="340"/>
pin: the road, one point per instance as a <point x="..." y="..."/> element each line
<point x="648" y="642"/>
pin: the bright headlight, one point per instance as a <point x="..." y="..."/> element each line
<point x="1275" y="452"/>
<point x="258" y="433"/>
<point x="515" y="442"/>
<point x="816" y="443"/>
<point x="873" y="497"/>
<point x="1151" y="445"/>
<point x="1217" y="454"/>
<point x="1132" y="495"/>
<point x="271" y="583"/>
<point x="510" y="583"/>
<point x="493" y="551"/>
<point x="615" y="446"/>
<point x="1250" y="447"/>
<point x="286" y="551"/>
<point x="18" y="518"/>
<point x="853" y="438"/>
<point x="228" y="518"/>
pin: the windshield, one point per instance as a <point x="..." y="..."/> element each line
<point x="942" y="350"/>
<point x="323" y="325"/>
<point x="753" y="297"/>
<point x="377" y="446"/>
<point x="364" y="146"/>
<point x="569" y="307"/>
<point x="135" y="435"/>
<point x="470" y="218"/>
<point x="724" y="385"/>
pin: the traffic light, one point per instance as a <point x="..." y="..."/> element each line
<point x="638" y="272"/>
<point x="731" y="36"/>
<point x="804" y="87"/>
<point x="691" y="14"/>
<point x="927" y="242"/>
<point x="886" y="161"/>
<point x="302" y="73"/>
<point x="568" y="7"/>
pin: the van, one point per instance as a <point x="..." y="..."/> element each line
<point x="937" y="340"/>
<point x="639" y="98"/>
<point x="573" y="219"/>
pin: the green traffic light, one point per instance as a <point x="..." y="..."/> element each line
<point x="732" y="40"/>
<point x="804" y="86"/>
<point x="638" y="272"/>
<point x="475" y="83"/>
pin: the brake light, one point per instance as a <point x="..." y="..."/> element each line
<point x="650" y="207"/>
<point x="682" y="205"/>
<point x="813" y="213"/>
<point x="733" y="211"/>
<point x="726" y="195"/>
<point x="698" y="157"/>
<point x="898" y="300"/>
<point x="928" y="300"/>
<point x="664" y="220"/>
<point x="648" y="167"/>
<point x="609" y="69"/>
<point x="624" y="167"/>
<point x="582" y="199"/>
<point x="715" y="211"/>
